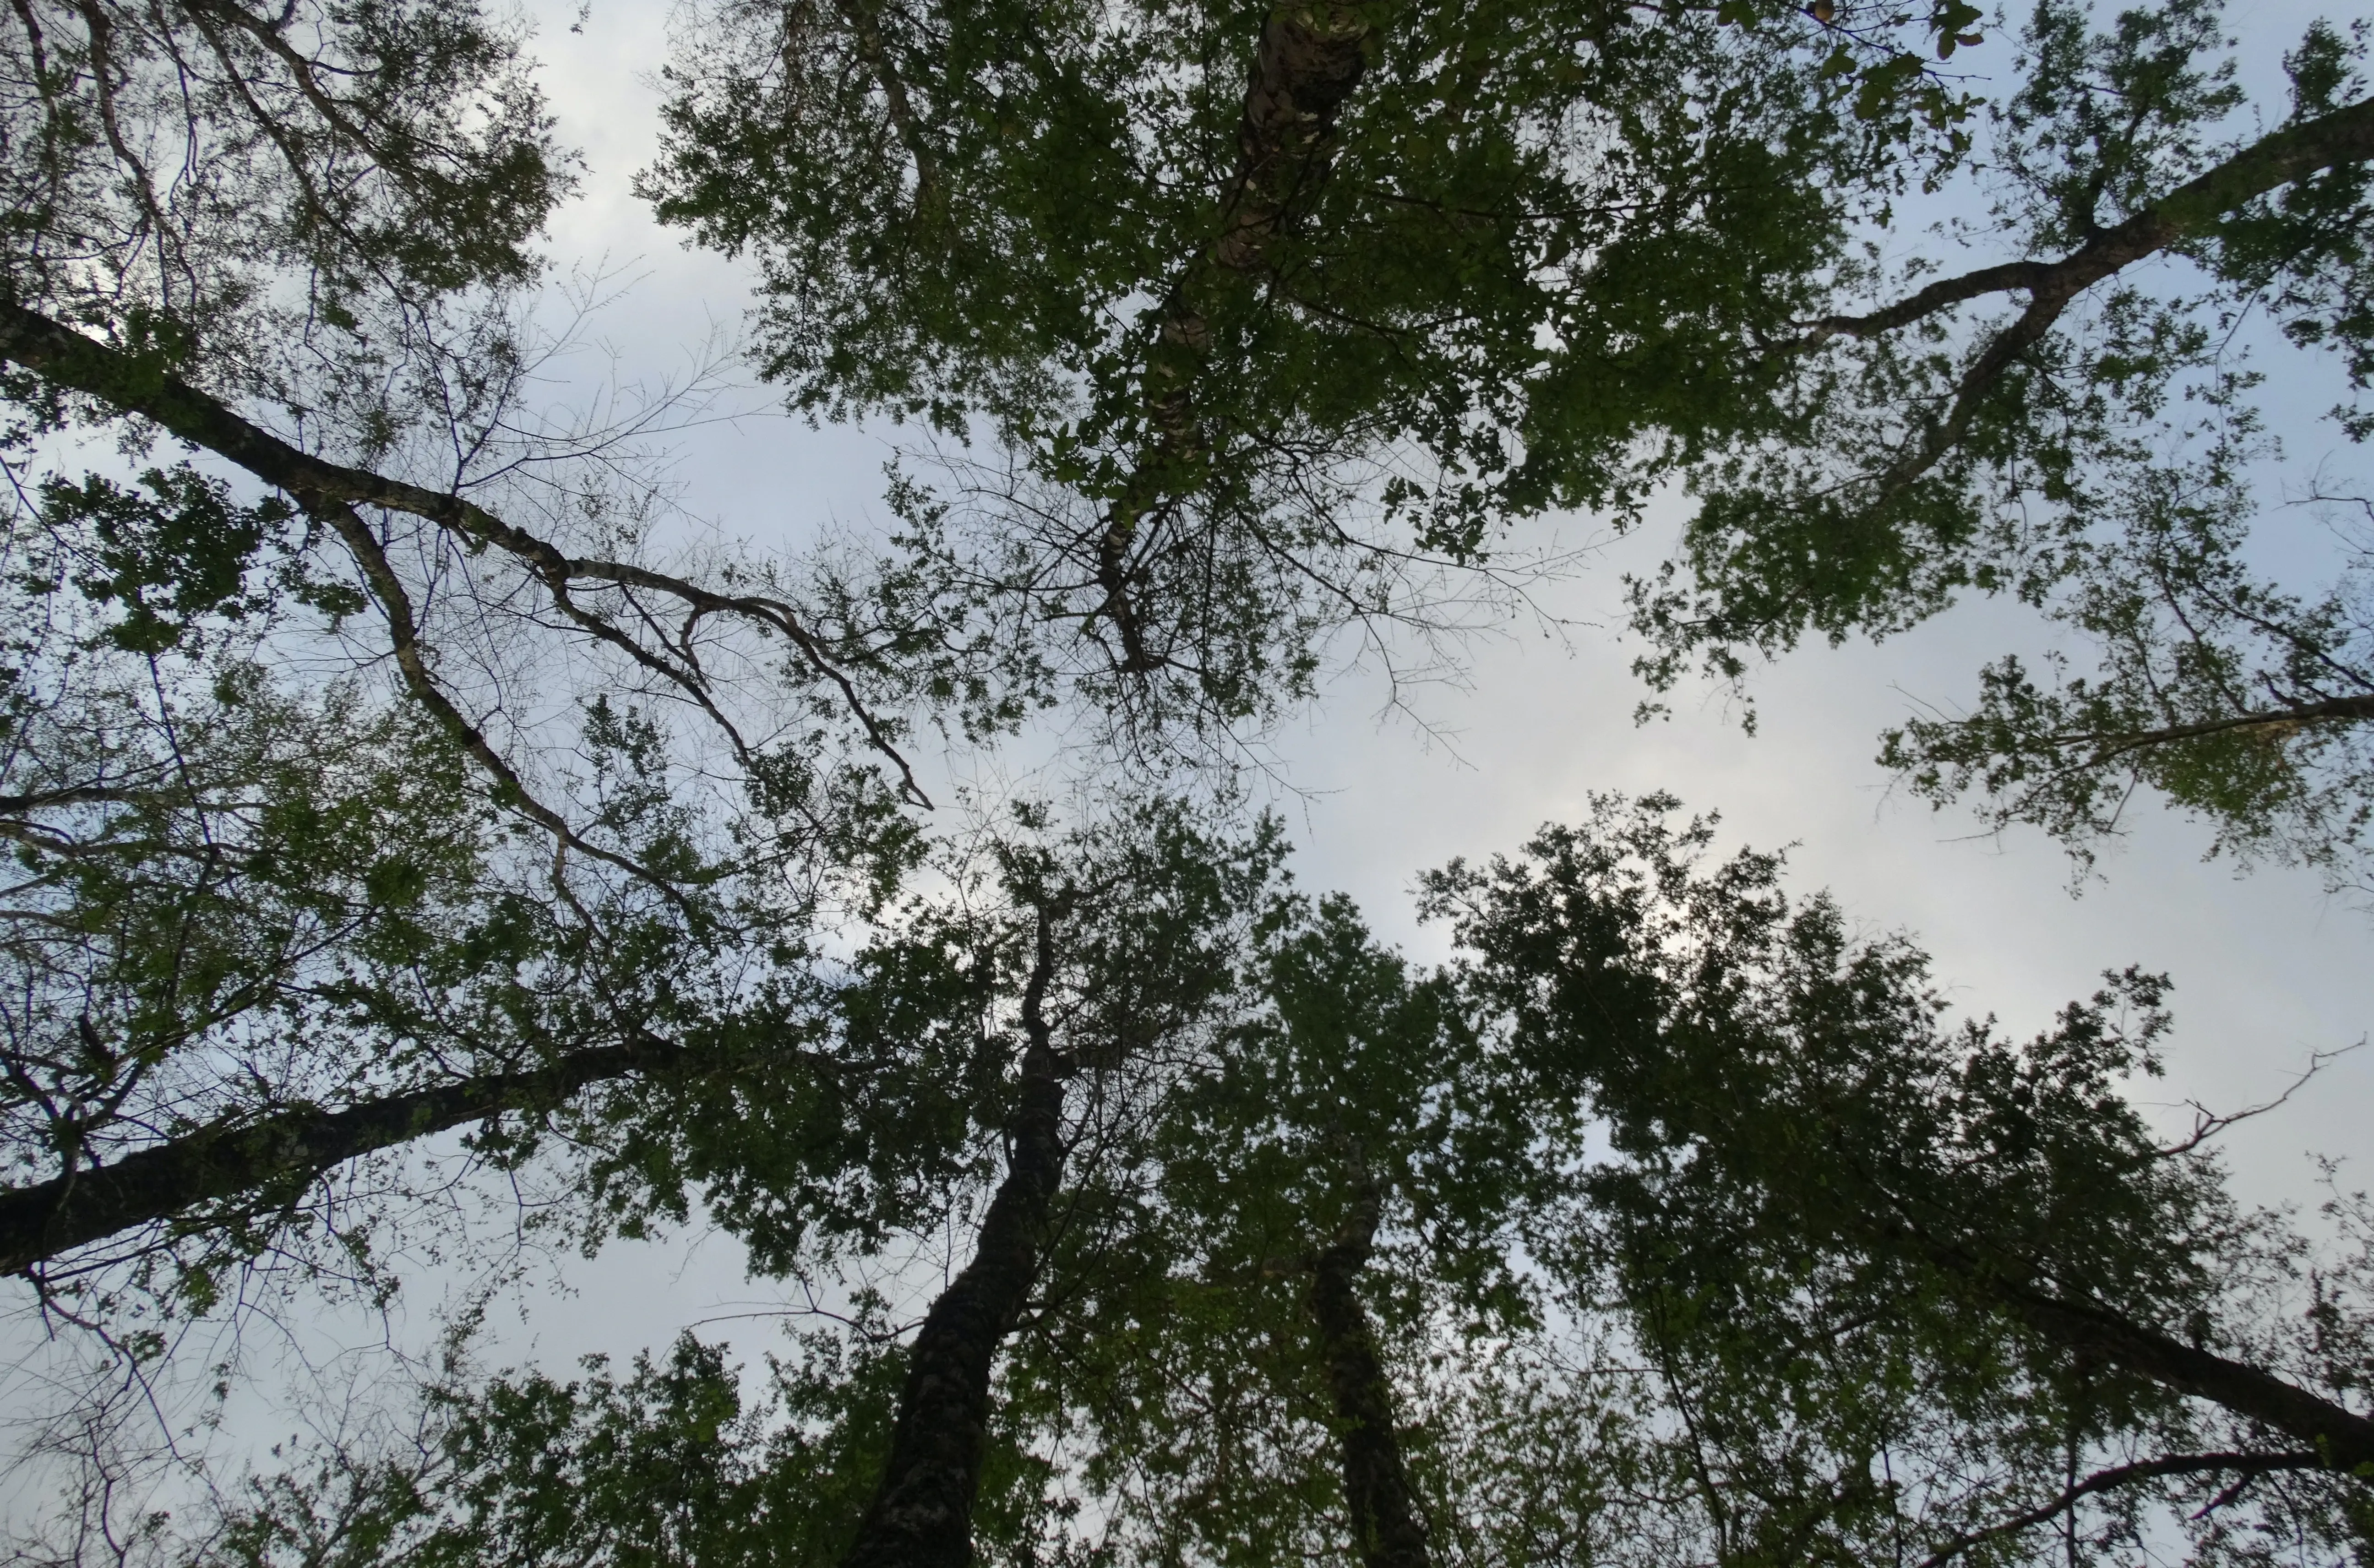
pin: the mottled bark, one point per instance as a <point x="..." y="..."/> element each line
<point x="1307" y="64"/>
<point x="1377" y="1499"/>
<point x="278" y="1154"/>
<point x="921" y="1513"/>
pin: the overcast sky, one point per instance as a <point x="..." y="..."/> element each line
<point x="2268" y="970"/>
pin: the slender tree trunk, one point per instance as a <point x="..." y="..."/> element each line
<point x="1385" y="1527"/>
<point x="279" y="1153"/>
<point x="922" y="1514"/>
<point x="2343" y="1438"/>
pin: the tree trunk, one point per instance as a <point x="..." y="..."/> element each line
<point x="281" y="1152"/>
<point x="2343" y="1438"/>
<point x="1307" y="62"/>
<point x="921" y="1513"/>
<point x="1384" y="1521"/>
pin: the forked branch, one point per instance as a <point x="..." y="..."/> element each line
<point x="131" y="386"/>
<point x="2190" y="211"/>
<point x="2244" y="1465"/>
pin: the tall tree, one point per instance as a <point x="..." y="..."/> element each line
<point x="303" y="246"/>
<point x="346" y="810"/>
<point x="1133" y="942"/>
<point x="1243" y="1278"/>
<point x="255" y="936"/>
<point x="2082" y="426"/>
<point x="1793" y="1090"/>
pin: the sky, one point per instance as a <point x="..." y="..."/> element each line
<point x="2270" y="972"/>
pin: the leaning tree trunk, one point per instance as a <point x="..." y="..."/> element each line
<point x="1377" y="1498"/>
<point x="2341" y="1437"/>
<point x="2089" y="1329"/>
<point x="279" y="1154"/>
<point x="921" y="1513"/>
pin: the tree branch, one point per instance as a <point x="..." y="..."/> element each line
<point x="282" y="1152"/>
<point x="2343" y="1439"/>
<point x="2348" y="710"/>
<point x="876" y="56"/>
<point x="2345" y="135"/>
<point x="2124" y="1475"/>
<point x="403" y="636"/>
<point x="81" y="364"/>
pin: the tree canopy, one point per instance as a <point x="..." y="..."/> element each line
<point x="1298" y="1249"/>
<point x="1266" y="327"/>
<point x="406" y="811"/>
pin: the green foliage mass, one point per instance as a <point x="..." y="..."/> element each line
<point x="1694" y="1221"/>
<point x="1511" y="277"/>
<point x="1197" y="422"/>
<point x="197" y="180"/>
<point x="240" y="891"/>
<point x="2102" y="454"/>
<point x="1672" y="1221"/>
